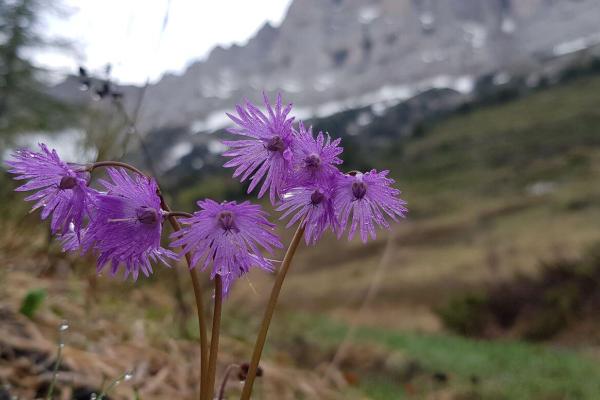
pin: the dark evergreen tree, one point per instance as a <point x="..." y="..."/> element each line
<point x="24" y="102"/>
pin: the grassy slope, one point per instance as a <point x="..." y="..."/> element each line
<point x="503" y="369"/>
<point x="466" y="181"/>
<point x="507" y="370"/>
<point x="547" y="135"/>
<point x="491" y="154"/>
<point x="473" y="219"/>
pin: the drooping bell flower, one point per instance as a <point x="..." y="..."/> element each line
<point x="127" y="225"/>
<point x="61" y="190"/>
<point x="266" y="153"/>
<point x="315" y="158"/>
<point x="314" y="206"/>
<point x="367" y="199"/>
<point x="228" y="237"/>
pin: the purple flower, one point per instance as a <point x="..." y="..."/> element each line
<point x="61" y="190"/>
<point x="72" y="240"/>
<point x="227" y="236"/>
<point x="127" y="225"/>
<point x="315" y="159"/>
<point x="315" y="205"/>
<point x="267" y="153"/>
<point x="368" y="197"/>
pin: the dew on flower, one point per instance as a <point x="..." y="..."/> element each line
<point x="63" y="326"/>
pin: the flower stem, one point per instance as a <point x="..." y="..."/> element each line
<point x="55" y="370"/>
<point x="264" y="327"/>
<point x="119" y="164"/>
<point x="171" y="216"/>
<point x="105" y="392"/>
<point x="228" y="370"/>
<point x="214" y="340"/>
<point x="200" y="310"/>
<point x="199" y="304"/>
<point x="179" y="214"/>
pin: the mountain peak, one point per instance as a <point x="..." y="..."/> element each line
<point x="331" y="54"/>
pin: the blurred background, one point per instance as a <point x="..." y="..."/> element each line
<point x="487" y="113"/>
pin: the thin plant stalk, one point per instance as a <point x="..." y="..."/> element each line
<point x="225" y="379"/>
<point x="179" y="214"/>
<point x="214" y="340"/>
<point x="101" y="164"/>
<point x="266" y="322"/>
<point x="171" y="216"/>
<point x="125" y="377"/>
<point x="55" y="369"/>
<point x="370" y="294"/>
<point x="201" y="321"/>
<point x="55" y="373"/>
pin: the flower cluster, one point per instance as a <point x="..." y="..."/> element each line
<point x="300" y="170"/>
<point x="122" y="222"/>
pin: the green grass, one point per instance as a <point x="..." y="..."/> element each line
<point x="504" y="369"/>
<point x="468" y="182"/>
<point x="510" y="369"/>
<point x="551" y="134"/>
<point x="465" y="180"/>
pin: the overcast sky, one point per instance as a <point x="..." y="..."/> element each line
<point x="127" y="33"/>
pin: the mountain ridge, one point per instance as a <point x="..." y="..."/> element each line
<point x="329" y="55"/>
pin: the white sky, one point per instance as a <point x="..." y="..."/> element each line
<point x="127" y="33"/>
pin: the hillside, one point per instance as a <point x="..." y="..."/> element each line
<point x="493" y="190"/>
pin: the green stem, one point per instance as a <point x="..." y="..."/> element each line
<point x="214" y="340"/>
<point x="264" y="327"/>
<point x="55" y="370"/>
<point x="125" y="377"/>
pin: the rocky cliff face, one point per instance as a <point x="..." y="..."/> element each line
<point x="331" y="54"/>
<point x="328" y="53"/>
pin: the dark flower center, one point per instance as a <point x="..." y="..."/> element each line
<point x="276" y="144"/>
<point x="147" y="215"/>
<point x="67" y="182"/>
<point x="313" y="161"/>
<point x="359" y="189"/>
<point x="226" y="221"/>
<point x="316" y="197"/>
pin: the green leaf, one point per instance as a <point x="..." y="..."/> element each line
<point x="32" y="302"/>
